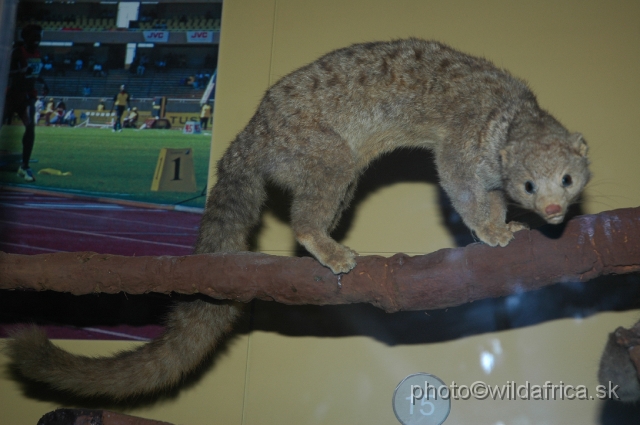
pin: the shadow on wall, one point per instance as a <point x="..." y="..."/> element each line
<point x="401" y="166"/>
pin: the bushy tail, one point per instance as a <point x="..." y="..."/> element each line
<point x="193" y="328"/>
<point x="233" y="206"/>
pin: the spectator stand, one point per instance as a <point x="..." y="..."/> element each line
<point x="152" y="83"/>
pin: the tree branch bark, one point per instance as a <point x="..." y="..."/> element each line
<point x="589" y="246"/>
<point x="86" y="416"/>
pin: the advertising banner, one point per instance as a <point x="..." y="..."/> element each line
<point x="200" y="36"/>
<point x="156" y="36"/>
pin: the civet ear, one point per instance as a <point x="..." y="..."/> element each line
<point x="579" y="144"/>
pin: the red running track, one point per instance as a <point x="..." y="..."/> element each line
<point x="37" y="223"/>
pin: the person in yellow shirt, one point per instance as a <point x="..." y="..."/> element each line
<point x="121" y="101"/>
<point x="205" y="115"/>
<point x="49" y="111"/>
<point x="132" y="120"/>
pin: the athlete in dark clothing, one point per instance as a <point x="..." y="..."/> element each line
<point x="24" y="72"/>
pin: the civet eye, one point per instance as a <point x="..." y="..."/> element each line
<point x="529" y="187"/>
<point x="566" y="180"/>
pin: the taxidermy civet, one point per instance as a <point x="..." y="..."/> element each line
<point x="313" y="134"/>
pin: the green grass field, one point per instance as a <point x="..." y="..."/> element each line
<point x="103" y="163"/>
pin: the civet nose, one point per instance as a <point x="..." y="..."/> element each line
<point x="553" y="209"/>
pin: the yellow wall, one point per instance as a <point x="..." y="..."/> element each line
<point x="341" y="365"/>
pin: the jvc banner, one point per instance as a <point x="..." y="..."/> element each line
<point x="200" y="36"/>
<point x="156" y="36"/>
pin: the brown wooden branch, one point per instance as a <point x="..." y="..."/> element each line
<point x="590" y="246"/>
<point x="85" y="416"/>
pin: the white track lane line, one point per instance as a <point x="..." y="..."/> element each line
<point x="30" y="247"/>
<point x="108" y="218"/>
<point x="79" y="232"/>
